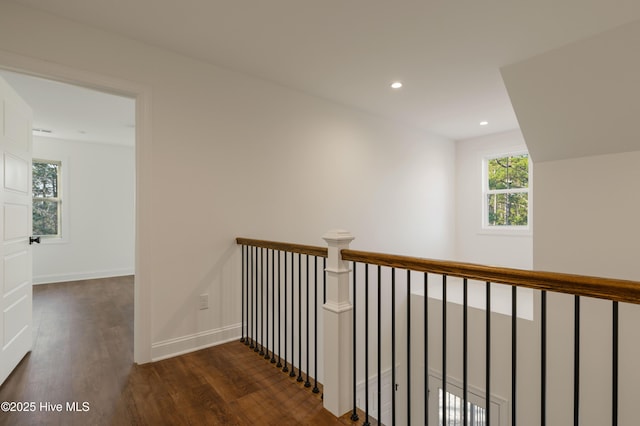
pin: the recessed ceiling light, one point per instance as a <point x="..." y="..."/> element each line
<point x="396" y="85"/>
<point x="484" y="123"/>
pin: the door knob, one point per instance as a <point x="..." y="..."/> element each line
<point x="34" y="240"/>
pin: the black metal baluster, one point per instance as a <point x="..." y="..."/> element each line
<point x="393" y="346"/>
<point x="315" y="325"/>
<point x="286" y="343"/>
<point x="257" y="300"/>
<point x="307" y="384"/>
<point x="279" y="364"/>
<point x="261" y="310"/>
<point x="408" y="347"/>
<point x="366" y="345"/>
<point x="242" y="297"/>
<point x="576" y="362"/>
<point x="269" y="273"/>
<point x="514" y="355"/>
<point x="465" y="349"/>
<point x="292" y="373"/>
<point x="543" y="358"/>
<point x="379" y="344"/>
<point x="426" y="348"/>
<point x="246" y="309"/>
<point x="614" y="372"/>
<point x="273" y="307"/>
<point x="354" y="414"/>
<point x="300" y="318"/>
<point x="266" y="355"/>
<point x="487" y="379"/>
<point x="354" y="411"/>
<point x="251" y="323"/>
<point x="444" y="350"/>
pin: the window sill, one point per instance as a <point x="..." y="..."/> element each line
<point x="506" y="231"/>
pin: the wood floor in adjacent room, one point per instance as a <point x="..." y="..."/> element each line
<point x="83" y="353"/>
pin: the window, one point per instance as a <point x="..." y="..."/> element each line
<point x="506" y="198"/>
<point x="476" y="410"/>
<point x="475" y="413"/>
<point x="46" y="198"/>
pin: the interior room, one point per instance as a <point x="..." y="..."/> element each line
<point x="282" y="121"/>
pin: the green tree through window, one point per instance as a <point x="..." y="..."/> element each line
<point x="46" y="198"/>
<point x="507" y="196"/>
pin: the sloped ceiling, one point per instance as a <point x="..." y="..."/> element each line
<point x="447" y="53"/>
<point x="582" y="99"/>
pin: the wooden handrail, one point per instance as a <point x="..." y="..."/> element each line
<point x="602" y="288"/>
<point x="579" y="285"/>
<point x="290" y="247"/>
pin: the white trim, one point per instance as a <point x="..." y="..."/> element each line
<point x="435" y="383"/>
<point x="507" y="231"/>
<point x="194" y="342"/>
<point x="337" y="308"/>
<point x="79" y="276"/>
<point x="63" y="173"/>
<point x="142" y="95"/>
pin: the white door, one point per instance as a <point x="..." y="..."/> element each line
<point x="15" y="229"/>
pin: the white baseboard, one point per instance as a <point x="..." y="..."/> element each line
<point x="191" y="343"/>
<point x="78" y="276"/>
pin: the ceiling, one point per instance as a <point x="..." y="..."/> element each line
<point x="75" y="113"/>
<point x="585" y="95"/>
<point x="448" y="54"/>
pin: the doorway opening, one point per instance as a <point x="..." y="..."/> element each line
<point x="83" y="180"/>
<point x="139" y="127"/>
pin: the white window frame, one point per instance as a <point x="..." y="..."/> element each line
<point x="63" y="201"/>
<point x="506" y="229"/>
<point x="499" y="406"/>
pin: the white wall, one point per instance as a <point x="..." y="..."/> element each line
<point x="577" y="107"/>
<point x="234" y="156"/>
<point x="473" y="243"/>
<point x="98" y="211"/>
<point x="586" y="215"/>
<point x="586" y="222"/>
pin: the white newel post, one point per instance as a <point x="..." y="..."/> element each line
<point x="338" y="328"/>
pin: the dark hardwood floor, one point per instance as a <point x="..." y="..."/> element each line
<point x="83" y="354"/>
